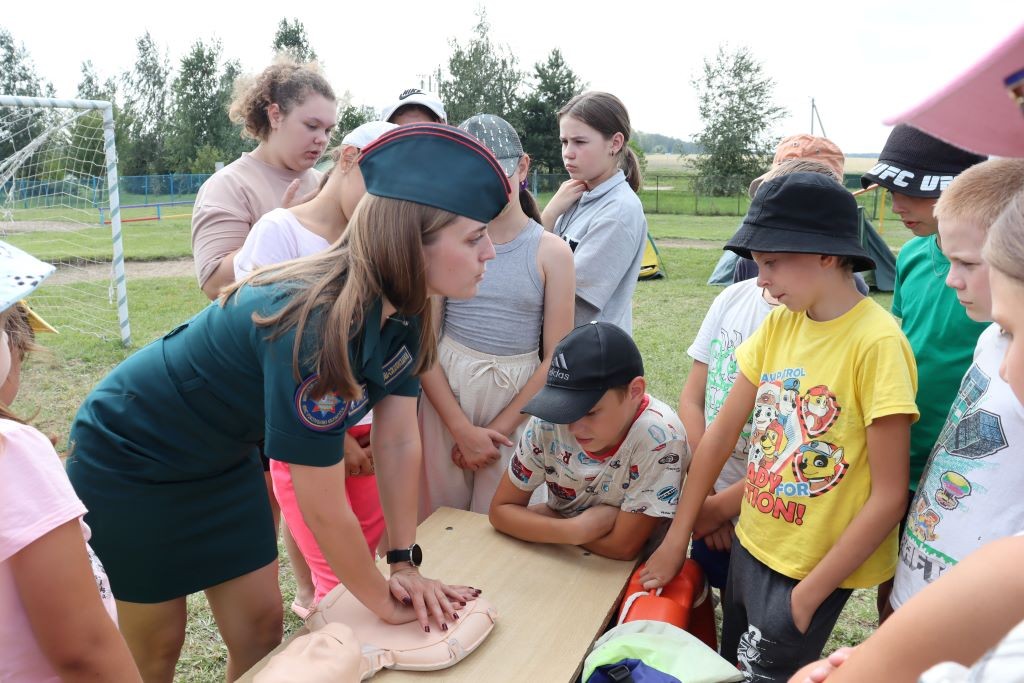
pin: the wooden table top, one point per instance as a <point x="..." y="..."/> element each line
<point x="552" y="600"/>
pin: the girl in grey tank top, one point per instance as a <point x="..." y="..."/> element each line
<point x="489" y="358"/>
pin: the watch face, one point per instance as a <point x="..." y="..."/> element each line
<point x="416" y="555"/>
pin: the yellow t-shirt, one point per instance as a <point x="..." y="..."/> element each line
<point x="819" y="386"/>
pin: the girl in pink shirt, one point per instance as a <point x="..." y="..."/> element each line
<point x="59" y="622"/>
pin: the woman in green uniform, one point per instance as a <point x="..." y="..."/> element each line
<point x="163" y="451"/>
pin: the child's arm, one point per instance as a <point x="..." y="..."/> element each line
<point x="691" y="404"/>
<point x="54" y="579"/>
<point x="555" y="259"/>
<point x="509" y="514"/>
<point x="715" y="448"/>
<point x="920" y="634"/>
<point x="888" y="441"/>
<point x="627" y="538"/>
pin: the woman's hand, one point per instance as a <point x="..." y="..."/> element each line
<point x="567" y="195"/>
<point x="289" y="199"/>
<point x="818" y="672"/>
<point x="429" y="598"/>
<point x="478" y="447"/>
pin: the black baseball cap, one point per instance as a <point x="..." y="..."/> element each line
<point x="802" y="213"/>
<point x="589" y="361"/>
<point x="918" y="165"/>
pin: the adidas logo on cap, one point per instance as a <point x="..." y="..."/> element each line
<point x="559" y="368"/>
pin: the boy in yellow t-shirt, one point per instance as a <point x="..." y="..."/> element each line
<point x="831" y="380"/>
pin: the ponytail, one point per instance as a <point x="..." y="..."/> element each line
<point x="529" y="204"/>
<point x="630" y="165"/>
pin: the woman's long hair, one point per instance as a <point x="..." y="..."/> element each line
<point x="379" y="254"/>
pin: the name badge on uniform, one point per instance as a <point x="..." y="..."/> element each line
<point x="319" y="414"/>
<point x="396" y="365"/>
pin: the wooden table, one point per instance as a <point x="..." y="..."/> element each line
<point x="552" y="600"/>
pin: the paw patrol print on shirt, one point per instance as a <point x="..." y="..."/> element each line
<point x="789" y="459"/>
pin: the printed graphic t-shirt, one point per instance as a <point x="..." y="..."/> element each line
<point x="35" y="498"/>
<point x="731" y="319"/>
<point x="970" y="491"/>
<point x="645" y="474"/>
<point x="939" y="332"/>
<point x="819" y="386"/>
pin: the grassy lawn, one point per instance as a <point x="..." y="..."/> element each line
<point x="667" y="314"/>
<point x="716" y="230"/>
<point x="170" y="238"/>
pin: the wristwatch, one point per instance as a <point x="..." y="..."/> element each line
<point x="413" y="555"/>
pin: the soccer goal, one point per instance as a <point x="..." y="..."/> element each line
<point x="59" y="202"/>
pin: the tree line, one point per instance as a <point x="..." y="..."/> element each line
<point x="172" y="118"/>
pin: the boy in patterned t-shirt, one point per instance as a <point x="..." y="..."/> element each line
<point x="612" y="457"/>
<point x="827" y="466"/>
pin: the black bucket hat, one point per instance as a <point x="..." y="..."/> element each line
<point x="802" y="213"/>
<point x="917" y="165"/>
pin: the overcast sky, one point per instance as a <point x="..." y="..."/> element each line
<point x="861" y="61"/>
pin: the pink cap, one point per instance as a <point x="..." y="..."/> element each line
<point x="982" y="110"/>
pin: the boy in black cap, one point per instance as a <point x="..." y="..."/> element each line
<point x="916" y="168"/>
<point x="612" y="456"/>
<point x="831" y="381"/>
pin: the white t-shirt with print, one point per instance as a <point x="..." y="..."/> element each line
<point x="645" y="474"/>
<point x="277" y="236"/>
<point x="732" y="317"/>
<point x="970" y="491"/>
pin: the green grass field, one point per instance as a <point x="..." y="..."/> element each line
<point x="667" y="313"/>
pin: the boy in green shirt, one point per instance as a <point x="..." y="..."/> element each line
<point x="916" y="168"/>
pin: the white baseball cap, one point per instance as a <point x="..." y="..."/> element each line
<point x="365" y="134"/>
<point x="416" y="96"/>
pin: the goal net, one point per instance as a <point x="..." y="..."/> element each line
<point x="59" y="202"/>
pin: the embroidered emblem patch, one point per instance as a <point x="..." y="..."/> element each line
<point x="319" y="414"/>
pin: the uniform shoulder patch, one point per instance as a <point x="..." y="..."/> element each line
<point x="319" y="414"/>
<point x="397" y="364"/>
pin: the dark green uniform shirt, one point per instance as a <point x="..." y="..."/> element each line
<point x="164" y="449"/>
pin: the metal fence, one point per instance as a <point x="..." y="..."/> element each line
<point x="690" y="195"/>
<point x="161" y="189"/>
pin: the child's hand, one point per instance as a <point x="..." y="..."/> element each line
<point x="708" y="519"/>
<point x="818" y="672"/>
<point x="567" y="194"/>
<point x="594" y="522"/>
<point x="720" y="539"/>
<point x="801" y="610"/>
<point x="479" y="447"/>
<point x="358" y="462"/>
<point x="663" y="565"/>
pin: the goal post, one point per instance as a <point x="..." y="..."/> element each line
<point x="58" y="189"/>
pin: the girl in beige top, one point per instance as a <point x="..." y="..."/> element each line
<point x="291" y="110"/>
